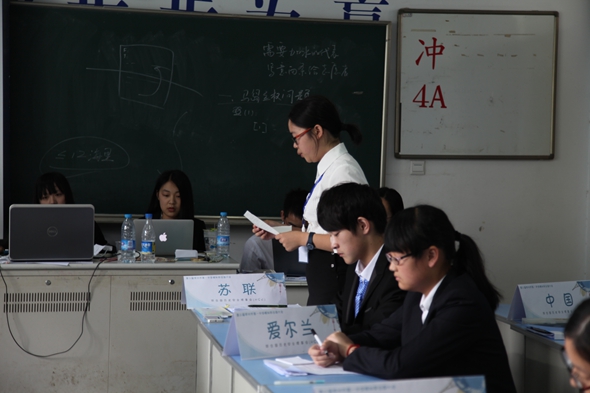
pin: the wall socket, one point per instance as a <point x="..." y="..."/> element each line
<point x="417" y="168"/>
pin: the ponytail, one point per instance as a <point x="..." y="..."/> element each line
<point x="354" y="132"/>
<point x="469" y="260"/>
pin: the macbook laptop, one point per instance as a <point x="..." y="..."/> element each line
<point x="171" y="235"/>
<point x="287" y="262"/>
<point x="51" y="233"/>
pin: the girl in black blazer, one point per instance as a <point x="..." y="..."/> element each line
<point x="446" y="326"/>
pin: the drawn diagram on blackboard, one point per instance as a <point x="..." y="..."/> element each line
<point x="145" y="74"/>
<point x="84" y="154"/>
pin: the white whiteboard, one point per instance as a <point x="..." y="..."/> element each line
<point x="475" y="84"/>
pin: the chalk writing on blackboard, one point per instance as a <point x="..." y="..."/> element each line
<point x="260" y="127"/>
<point x="332" y="70"/>
<point x="145" y="74"/>
<point x="281" y="50"/>
<point x="84" y="154"/>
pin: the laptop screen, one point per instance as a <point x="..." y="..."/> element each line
<point x="287" y="262"/>
<point x="171" y="235"/>
<point x="51" y="233"/>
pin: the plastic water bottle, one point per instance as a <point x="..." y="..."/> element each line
<point x="127" y="241"/>
<point x="148" y="241"/>
<point x="223" y="236"/>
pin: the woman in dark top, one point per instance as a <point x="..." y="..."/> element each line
<point x="54" y="188"/>
<point x="172" y="198"/>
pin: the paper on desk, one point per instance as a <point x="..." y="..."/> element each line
<point x="303" y="369"/>
<point x="282" y="368"/>
<point x="294" y="361"/>
<point x="262" y="225"/>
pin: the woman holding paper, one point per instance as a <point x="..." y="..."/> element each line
<point x="315" y="127"/>
<point x="446" y="325"/>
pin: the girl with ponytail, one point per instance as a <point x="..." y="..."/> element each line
<point x="315" y="127"/>
<point x="446" y="326"/>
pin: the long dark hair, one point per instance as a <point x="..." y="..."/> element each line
<point x="46" y="185"/>
<point x="187" y="208"/>
<point x="578" y="329"/>
<point x="415" y="229"/>
<point x="317" y="109"/>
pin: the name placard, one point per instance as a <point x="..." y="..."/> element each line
<point x="234" y="290"/>
<point x="471" y="384"/>
<point x="274" y="332"/>
<point x="553" y="300"/>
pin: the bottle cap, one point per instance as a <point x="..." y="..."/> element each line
<point x="148" y="215"/>
<point x="127" y="215"/>
<point x="223" y="214"/>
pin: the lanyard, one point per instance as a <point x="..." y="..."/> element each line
<point x="310" y="193"/>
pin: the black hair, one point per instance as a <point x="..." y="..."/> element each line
<point x="415" y="229"/>
<point x="577" y="329"/>
<point x="317" y="109"/>
<point x="48" y="183"/>
<point x="181" y="180"/>
<point x="294" y="201"/>
<point x="393" y="198"/>
<point x="341" y="206"/>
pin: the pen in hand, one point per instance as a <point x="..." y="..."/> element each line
<point x="317" y="339"/>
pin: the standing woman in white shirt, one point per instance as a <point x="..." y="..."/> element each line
<point x="315" y="127"/>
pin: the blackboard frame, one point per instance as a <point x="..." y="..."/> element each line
<point x="449" y="136"/>
<point x="375" y="175"/>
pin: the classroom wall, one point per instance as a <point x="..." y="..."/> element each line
<point x="530" y="218"/>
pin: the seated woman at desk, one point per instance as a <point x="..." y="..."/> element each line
<point x="53" y="188"/>
<point x="172" y="198"/>
<point x="446" y="325"/>
<point x="576" y="350"/>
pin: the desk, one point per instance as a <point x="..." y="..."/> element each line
<point x="230" y="374"/>
<point x="137" y="335"/>
<point x="535" y="361"/>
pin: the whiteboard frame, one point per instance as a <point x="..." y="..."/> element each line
<point x="548" y="134"/>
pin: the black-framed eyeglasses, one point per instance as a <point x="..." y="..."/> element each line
<point x="397" y="261"/>
<point x="296" y="137"/>
<point x="570" y="368"/>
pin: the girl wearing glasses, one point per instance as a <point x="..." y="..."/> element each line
<point x="576" y="351"/>
<point x="315" y="127"/>
<point x="446" y="325"/>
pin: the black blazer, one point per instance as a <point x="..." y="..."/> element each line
<point x="382" y="298"/>
<point x="459" y="337"/>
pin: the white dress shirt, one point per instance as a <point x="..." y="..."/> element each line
<point x="336" y="167"/>
<point x="426" y="301"/>
<point x="367" y="271"/>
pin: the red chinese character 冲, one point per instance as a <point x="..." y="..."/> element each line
<point x="433" y="51"/>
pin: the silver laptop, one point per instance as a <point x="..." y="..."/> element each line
<point x="171" y="235"/>
<point x="51" y="233"/>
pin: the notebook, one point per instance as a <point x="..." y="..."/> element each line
<point x="287" y="262"/>
<point x="51" y="233"/>
<point x="171" y="235"/>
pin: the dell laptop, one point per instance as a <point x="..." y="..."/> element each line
<point x="51" y="233"/>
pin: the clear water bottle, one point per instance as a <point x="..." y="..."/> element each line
<point x="148" y="241"/>
<point x="223" y="236"/>
<point x="127" y="241"/>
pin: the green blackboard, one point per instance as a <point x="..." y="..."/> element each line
<point x="111" y="98"/>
